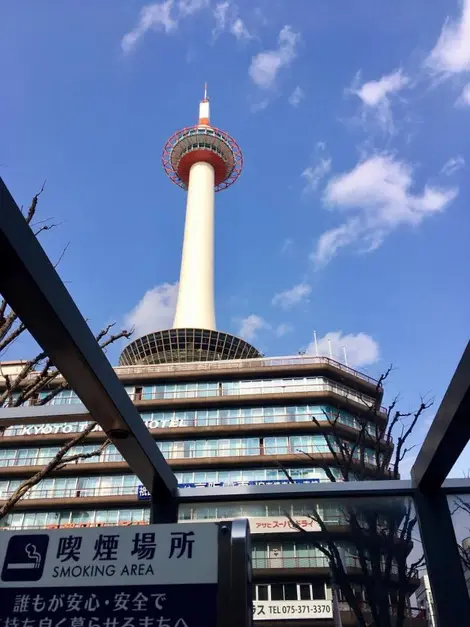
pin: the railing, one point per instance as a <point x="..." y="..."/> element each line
<point x="274" y="389"/>
<point x="179" y="453"/>
<point x="41" y="461"/>
<point x="59" y="493"/>
<point x="307" y="562"/>
<point x="290" y="562"/>
<point x="65" y="428"/>
<point x="243" y="364"/>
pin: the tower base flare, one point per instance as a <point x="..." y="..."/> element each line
<point x="186" y="345"/>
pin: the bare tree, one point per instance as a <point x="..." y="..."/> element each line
<point x="461" y="505"/>
<point x="38" y="381"/>
<point x="375" y="537"/>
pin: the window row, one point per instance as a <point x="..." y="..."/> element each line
<point x="222" y="388"/>
<point x="189" y="449"/>
<point x="212" y="417"/>
<point x="32" y="520"/>
<point x="257" y="386"/>
<point x="330" y="514"/>
<point x="43" y="455"/>
<point x="64" y="487"/>
<point x="291" y="592"/>
<point x="266" y="553"/>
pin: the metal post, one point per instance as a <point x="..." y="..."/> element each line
<point x="242" y="578"/>
<point x="163" y="509"/>
<point x="234" y="593"/>
<point x="443" y="563"/>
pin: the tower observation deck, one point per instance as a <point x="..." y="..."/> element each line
<point x="202" y="160"/>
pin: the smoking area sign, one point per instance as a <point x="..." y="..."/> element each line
<point x="143" y="576"/>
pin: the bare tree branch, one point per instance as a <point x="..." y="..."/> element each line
<point x="55" y="464"/>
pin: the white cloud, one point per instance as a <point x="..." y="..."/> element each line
<point x="220" y="15"/>
<point x="260" y="106"/>
<point x="377" y="192"/>
<point x="376" y="96"/>
<point x="315" y="173"/>
<point x="453" y="165"/>
<point x="239" y="30"/>
<point x="296" y="295"/>
<point x="282" y="329"/>
<point x="287" y="245"/>
<point x="361" y="349"/>
<point x="225" y="15"/>
<point x="464" y="99"/>
<point x="152" y="17"/>
<point x="451" y="54"/>
<point x="155" y="311"/>
<point x="265" y="65"/>
<point x="296" y="96"/>
<point x="188" y="7"/>
<point x="158" y="17"/>
<point x="250" y="326"/>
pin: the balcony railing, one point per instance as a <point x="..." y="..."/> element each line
<point x="308" y="562"/>
<point x="292" y="388"/>
<point x="58" y="493"/>
<point x="178" y="452"/>
<point x="243" y="364"/>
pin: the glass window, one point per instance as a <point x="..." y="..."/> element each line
<point x="262" y="593"/>
<point x="305" y="592"/>
<point x="290" y="592"/>
<point x="318" y="591"/>
<point x="277" y="592"/>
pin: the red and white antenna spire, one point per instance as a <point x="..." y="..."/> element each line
<point x="204" y="110"/>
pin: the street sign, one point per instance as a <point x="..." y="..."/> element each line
<point x="151" y="576"/>
<point x="144" y="495"/>
<point x="291" y="610"/>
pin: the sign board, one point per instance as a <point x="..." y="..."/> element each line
<point x="74" y="427"/>
<point x="143" y="494"/>
<point x="281" y="524"/>
<point x="152" y="576"/>
<point x="288" y="610"/>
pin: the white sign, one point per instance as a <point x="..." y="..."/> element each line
<point x="150" y="555"/>
<point x="281" y="524"/>
<point x="287" y="610"/>
<point x="67" y="427"/>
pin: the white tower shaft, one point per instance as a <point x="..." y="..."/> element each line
<point x="195" y="305"/>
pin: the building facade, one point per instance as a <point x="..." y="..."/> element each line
<point x="217" y="423"/>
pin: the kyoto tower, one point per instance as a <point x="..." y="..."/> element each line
<point x="202" y="160"/>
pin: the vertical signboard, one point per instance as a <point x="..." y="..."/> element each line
<point x="152" y="576"/>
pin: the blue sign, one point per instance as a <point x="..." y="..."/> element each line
<point x="144" y="495"/>
<point x="110" y="606"/>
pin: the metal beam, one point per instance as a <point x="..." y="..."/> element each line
<point x="33" y="289"/>
<point x="449" y="431"/>
<point x="443" y="563"/>
<point x="324" y="490"/>
<point x="39" y="414"/>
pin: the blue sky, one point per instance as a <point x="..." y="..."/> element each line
<point x="351" y="215"/>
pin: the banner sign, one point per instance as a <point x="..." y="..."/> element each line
<point x="144" y="495"/>
<point x="113" y="577"/>
<point x="288" y="610"/>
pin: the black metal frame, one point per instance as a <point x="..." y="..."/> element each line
<point x="34" y="290"/>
